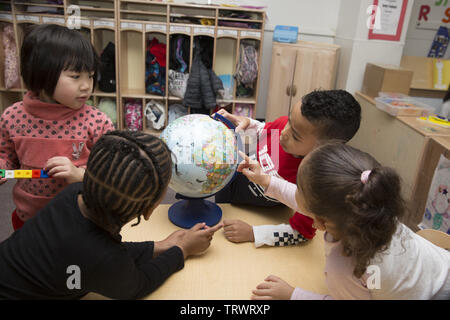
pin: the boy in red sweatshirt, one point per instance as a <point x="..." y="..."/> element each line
<point x="281" y="146"/>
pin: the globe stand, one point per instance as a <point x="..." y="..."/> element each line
<point x="190" y="211"/>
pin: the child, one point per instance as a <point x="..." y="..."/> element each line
<point x="126" y="177"/>
<point x="52" y="128"/>
<point x="370" y="254"/>
<point x="320" y="115"/>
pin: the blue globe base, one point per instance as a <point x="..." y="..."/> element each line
<point x="187" y="213"/>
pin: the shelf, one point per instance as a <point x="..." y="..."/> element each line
<point x="240" y="20"/>
<point x="98" y="93"/>
<point x="17" y="90"/>
<point x="150" y="13"/>
<point x="139" y="94"/>
<point x="130" y="24"/>
<point x="152" y="131"/>
<point x="44" y="5"/>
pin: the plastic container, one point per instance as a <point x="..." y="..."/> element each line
<point x="403" y="107"/>
<point x="286" y="34"/>
<point x="393" y="95"/>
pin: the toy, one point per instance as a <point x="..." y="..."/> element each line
<point x="437" y="120"/>
<point x="23" y="174"/>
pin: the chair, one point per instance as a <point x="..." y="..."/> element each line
<point x="438" y="238"/>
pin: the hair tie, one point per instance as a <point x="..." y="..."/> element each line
<point x="365" y="176"/>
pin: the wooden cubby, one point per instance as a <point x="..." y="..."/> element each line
<point x="131" y="25"/>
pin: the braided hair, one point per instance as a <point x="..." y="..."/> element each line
<point x="366" y="214"/>
<point x="126" y="175"/>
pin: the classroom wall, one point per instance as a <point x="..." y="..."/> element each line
<point x="357" y="50"/>
<point x="421" y="31"/>
<point x="316" y="20"/>
<point x="343" y="22"/>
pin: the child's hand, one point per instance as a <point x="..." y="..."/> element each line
<point x="238" y="231"/>
<point x="62" y="167"/>
<point x="197" y="239"/>
<point x="240" y="122"/>
<point x="167" y="243"/>
<point x="3" y="180"/>
<point x="253" y="171"/>
<point x="273" y="288"/>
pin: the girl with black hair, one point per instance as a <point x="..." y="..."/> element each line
<point x="52" y="128"/>
<point x="126" y="177"/>
<point x="370" y="254"/>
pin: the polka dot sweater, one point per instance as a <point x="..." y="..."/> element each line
<point x="32" y="131"/>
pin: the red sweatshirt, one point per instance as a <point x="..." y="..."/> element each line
<point x="32" y="131"/>
<point x="273" y="159"/>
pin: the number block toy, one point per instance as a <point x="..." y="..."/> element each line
<point x="23" y="174"/>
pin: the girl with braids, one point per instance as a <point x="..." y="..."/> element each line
<point x="370" y="254"/>
<point x="52" y="128"/>
<point x="126" y="177"/>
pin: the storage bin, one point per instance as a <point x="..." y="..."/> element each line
<point x="286" y="34"/>
<point x="403" y="107"/>
<point x="393" y="95"/>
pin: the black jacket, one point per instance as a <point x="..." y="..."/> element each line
<point x="203" y="84"/>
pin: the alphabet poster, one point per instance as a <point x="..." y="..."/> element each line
<point x="387" y="19"/>
<point x="437" y="210"/>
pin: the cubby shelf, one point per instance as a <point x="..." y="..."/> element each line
<point x="130" y="25"/>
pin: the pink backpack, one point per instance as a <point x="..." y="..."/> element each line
<point x="133" y="115"/>
<point x="12" y="77"/>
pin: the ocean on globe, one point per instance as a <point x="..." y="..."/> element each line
<point x="205" y="153"/>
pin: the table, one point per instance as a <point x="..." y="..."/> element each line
<point x="230" y="271"/>
<point x="401" y="143"/>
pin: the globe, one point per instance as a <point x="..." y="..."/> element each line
<point x="205" y="156"/>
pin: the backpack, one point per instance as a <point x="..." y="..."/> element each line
<point x="247" y="69"/>
<point x="133" y="114"/>
<point x="11" y="63"/>
<point x="155" y="114"/>
<point x="155" y="68"/>
<point x="107" y="76"/>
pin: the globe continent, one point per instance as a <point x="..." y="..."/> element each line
<point x="205" y="155"/>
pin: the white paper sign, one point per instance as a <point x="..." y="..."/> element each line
<point x="180" y="29"/>
<point x="6" y="16"/>
<point x="103" y="23"/>
<point x="226" y="32"/>
<point x="253" y="34"/>
<point x="27" y="18"/>
<point x="131" y="25"/>
<point x="388" y="13"/>
<point x="53" y="20"/>
<point x="155" y="27"/>
<point x="203" y="30"/>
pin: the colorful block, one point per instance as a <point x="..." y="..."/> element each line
<point x="2" y="173"/>
<point x="22" y="174"/>
<point x="44" y="174"/>
<point x="36" y="174"/>
<point x="9" y="174"/>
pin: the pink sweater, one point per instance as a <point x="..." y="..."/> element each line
<point x="31" y="132"/>
<point x="411" y="268"/>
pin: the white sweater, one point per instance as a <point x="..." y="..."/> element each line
<point x="411" y="268"/>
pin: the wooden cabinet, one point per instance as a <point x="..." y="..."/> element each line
<point x="296" y="70"/>
<point x="131" y="25"/>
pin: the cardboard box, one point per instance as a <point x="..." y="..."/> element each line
<point x="386" y="78"/>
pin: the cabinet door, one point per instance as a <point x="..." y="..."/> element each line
<point x="315" y="68"/>
<point x="281" y="75"/>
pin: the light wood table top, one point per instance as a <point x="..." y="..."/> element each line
<point x="230" y="271"/>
